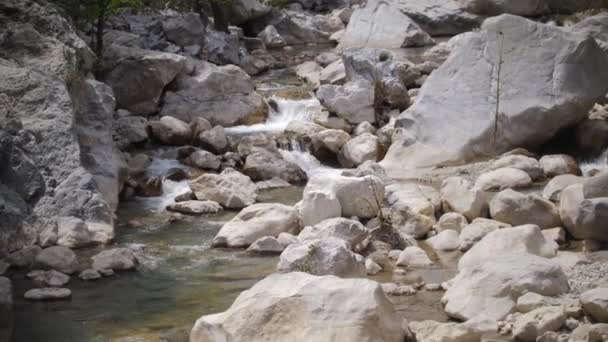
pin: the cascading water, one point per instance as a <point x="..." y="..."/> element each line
<point x="598" y="163"/>
<point x="170" y="188"/>
<point x="286" y="111"/>
<point x="278" y="120"/>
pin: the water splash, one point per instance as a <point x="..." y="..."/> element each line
<point x="599" y="163"/>
<point x="286" y="111"/>
<point x="170" y="189"/>
<point x="296" y="153"/>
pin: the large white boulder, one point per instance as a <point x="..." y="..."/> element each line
<point x="324" y="256"/>
<point x="595" y="303"/>
<point x="350" y="231"/>
<point x="559" y="164"/>
<point x="413" y="256"/>
<point x="230" y="188"/>
<point x="380" y="24"/>
<point x="257" y="221"/>
<point x="358" y="196"/>
<point x="353" y="101"/>
<point x="223" y="95"/>
<point x="548" y="80"/>
<point x="530" y="326"/>
<point x="327" y="309"/>
<point x="446" y="240"/>
<point x="432" y="331"/>
<point x="458" y="195"/>
<point x="359" y="150"/>
<point x="553" y="189"/>
<point x="522" y="239"/>
<point x="490" y="290"/>
<point x="129" y="67"/>
<point x="584" y="209"/>
<point x="317" y="206"/>
<point x="515" y="208"/>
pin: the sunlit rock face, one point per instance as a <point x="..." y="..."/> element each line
<point x="470" y="107"/>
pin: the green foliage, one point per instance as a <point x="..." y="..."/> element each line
<point x="307" y="265"/>
<point x="277" y="3"/>
<point x="87" y="12"/>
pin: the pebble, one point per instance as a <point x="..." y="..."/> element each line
<point x="89" y="274"/>
<point x="48" y="293"/>
<point x="50" y="278"/>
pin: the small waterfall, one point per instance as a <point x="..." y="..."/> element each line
<point x="170" y="188"/>
<point x="286" y="111"/>
<point x="599" y="163"/>
<point x="296" y="153"/>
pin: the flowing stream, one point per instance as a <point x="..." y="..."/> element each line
<point x="180" y="277"/>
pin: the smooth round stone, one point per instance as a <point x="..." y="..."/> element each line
<point x="48" y="293"/>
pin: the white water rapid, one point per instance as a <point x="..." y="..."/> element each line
<point x="598" y="163"/>
<point x="287" y="111"/>
<point x="170" y="188"/>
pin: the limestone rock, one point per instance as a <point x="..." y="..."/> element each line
<point x="453" y="221"/>
<point x="271" y="37"/>
<point x="350" y="231"/>
<point x="230" y="188"/>
<point x="559" y="164"/>
<point x="48" y="293"/>
<point x="353" y="101"/>
<point x="535" y="323"/>
<point x="503" y="178"/>
<point x="310" y="72"/>
<point x="58" y="258"/>
<point x="358" y="196"/>
<point x="529" y="102"/>
<point x="171" y="131"/>
<point x="526" y="239"/>
<point x="446" y="240"/>
<point x="318" y="302"/>
<point x="553" y="189"/>
<point x="529" y="165"/>
<point x="516" y="209"/>
<point x="223" y="95"/>
<point x="374" y="26"/>
<point x="264" y="166"/>
<point x="476" y="230"/>
<point x="130" y="67"/>
<point x="193" y="207"/>
<point x="318" y="206"/>
<point x="185" y="30"/>
<point x="458" y="195"/>
<point x="257" y="221"/>
<point x="50" y="278"/>
<point x="266" y="245"/>
<point x="595" y="303"/>
<point x="491" y="289"/>
<point x="327" y="256"/>
<point x="413" y="257"/>
<point x="117" y="259"/>
<point x="359" y="150"/>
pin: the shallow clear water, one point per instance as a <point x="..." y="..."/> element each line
<point x="180" y="279"/>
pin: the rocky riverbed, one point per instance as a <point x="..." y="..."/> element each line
<point x="403" y="170"/>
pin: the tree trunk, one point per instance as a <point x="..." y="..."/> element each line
<point x="198" y="8"/>
<point x="100" y="27"/>
<point x="219" y="19"/>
